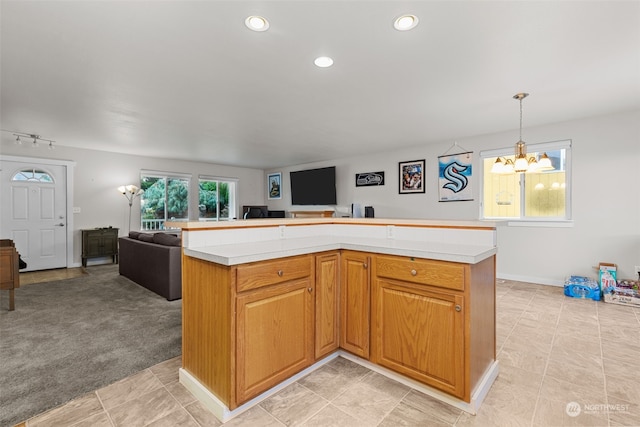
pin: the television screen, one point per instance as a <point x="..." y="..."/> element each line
<point x="313" y="186"/>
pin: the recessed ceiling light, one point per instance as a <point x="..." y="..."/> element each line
<point x="257" y="23"/>
<point x="405" y="22"/>
<point x="323" y="61"/>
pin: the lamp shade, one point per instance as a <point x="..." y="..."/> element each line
<point x="545" y="163"/>
<point x="497" y="167"/>
<point x="521" y="164"/>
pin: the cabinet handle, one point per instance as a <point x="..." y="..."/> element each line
<point x="310" y="289"/>
<point x="280" y="273"/>
<point x="458" y="308"/>
<point x="413" y="272"/>
<point x="364" y="265"/>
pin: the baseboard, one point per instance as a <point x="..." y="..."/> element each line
<point x="222" y="411"/>
<point x="471" y="407"/>
<point x="224" y="414"/>
<point x="530" y="279"/>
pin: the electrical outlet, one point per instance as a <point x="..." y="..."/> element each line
<point x="390" y="231"/>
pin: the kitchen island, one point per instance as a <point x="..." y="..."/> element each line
<point x="265" y="302"/>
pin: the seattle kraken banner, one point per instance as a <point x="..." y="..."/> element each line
<point x="454" y="177"/>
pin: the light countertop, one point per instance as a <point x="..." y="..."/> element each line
<point x="233" y="254"/>
<point x="273" y="222"/>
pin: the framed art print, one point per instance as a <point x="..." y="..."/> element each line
<point x="411" y="176"/>
<point x="274" y="186"/>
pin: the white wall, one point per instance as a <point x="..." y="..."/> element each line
<point x="606" y="193"/>
<point x="605" y="197"/>
<point x="98" y="174"/>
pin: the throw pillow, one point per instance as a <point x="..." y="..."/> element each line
<point x="134" y="234"/>
<point x="146" y="237"/>
<point x="166" y="239"/>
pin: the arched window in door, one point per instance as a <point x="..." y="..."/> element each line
<point x="33" y="175"/>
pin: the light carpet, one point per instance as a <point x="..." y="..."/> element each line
<point x="70" y="337"/>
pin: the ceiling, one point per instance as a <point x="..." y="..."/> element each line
<point x="188" y="80"/>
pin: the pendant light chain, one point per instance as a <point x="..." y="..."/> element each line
<point x="520" y="97"/>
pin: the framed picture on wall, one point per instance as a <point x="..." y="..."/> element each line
<point x="274" y="186"/>
<point x="411" y="176"/>
<point x="455" y="177"/>
<point x="367" y="179"/>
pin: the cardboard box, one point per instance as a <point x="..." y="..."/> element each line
<point x="607" y="275"/>
<point x="626" y="292"/>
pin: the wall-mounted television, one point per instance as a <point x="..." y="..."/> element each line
<point x="314" y="186"/>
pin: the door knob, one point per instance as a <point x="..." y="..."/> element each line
<point x="60" y="225"/>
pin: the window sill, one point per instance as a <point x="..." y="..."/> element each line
<point x="550" y="224"/>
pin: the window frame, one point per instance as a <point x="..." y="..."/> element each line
<point x="522" y="219"/>
<point x="166" y="176"/>
<point x="233" y="183"/>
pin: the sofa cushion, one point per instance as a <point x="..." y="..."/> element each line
<point x="146" y="237"/>
<point x="134" y="234"/>
<point x="166" y="239"/>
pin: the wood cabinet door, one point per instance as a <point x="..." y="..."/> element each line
<point x="96" y="243"/>
<point x="420" y="333"/>
<point x="110" y="242"/>
<point x="91" y="244"/>
<point x="327" y="284"/>
<point x="274" y="336"/>
<point x="355" y="303"/>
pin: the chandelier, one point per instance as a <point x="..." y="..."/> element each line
<point x="522" y="163"/>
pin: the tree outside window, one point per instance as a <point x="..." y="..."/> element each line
<point x="216" y="199"/>
<point x="165" y="198"/>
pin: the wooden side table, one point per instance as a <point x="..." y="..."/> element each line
<point x="9" y="270"/>
<point x="99" y="242"/>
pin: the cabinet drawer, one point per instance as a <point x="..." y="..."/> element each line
<point x="266" y="273"/>
<point x="426" y="272"/>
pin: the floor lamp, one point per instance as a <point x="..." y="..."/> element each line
<point x="130" y="192"/>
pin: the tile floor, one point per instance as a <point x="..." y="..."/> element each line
<point x="553" y="350"/>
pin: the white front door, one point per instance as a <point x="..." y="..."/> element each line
<point x="34" y="212"/>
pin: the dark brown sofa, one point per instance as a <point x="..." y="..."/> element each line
<point x="153" y="260"/>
